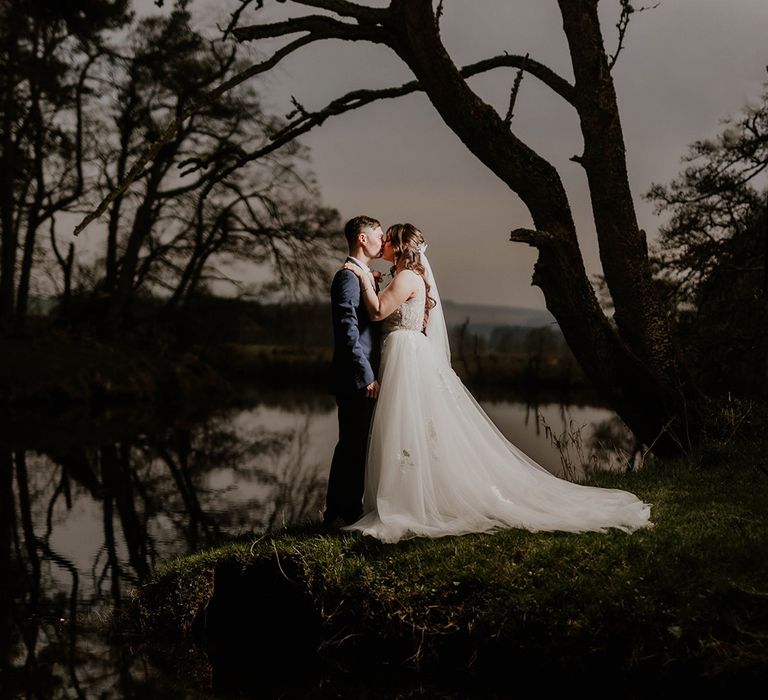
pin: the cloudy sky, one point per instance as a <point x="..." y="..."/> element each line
<point x="686" y="65"/>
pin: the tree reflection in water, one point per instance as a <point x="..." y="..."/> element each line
<point x="84" y="523"/>
<point x="83" y="520"/>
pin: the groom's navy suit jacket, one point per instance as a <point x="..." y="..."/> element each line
<point x="355" y="337"/>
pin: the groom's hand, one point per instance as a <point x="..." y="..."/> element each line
<point x="372" y="390"/>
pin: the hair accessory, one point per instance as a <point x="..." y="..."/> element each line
<point x="422" y="248"/>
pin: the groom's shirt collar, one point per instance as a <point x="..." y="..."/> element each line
<point x="359" y="262"/>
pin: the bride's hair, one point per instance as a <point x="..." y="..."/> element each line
<point x="405" y="240"/>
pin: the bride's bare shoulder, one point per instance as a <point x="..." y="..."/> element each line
<point x="409" y="282"/>
<point x="408" y="275"/>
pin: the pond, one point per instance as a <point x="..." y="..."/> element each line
<point x="89" y="510"/>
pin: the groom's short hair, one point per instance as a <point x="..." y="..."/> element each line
<point x="353" y="227"/>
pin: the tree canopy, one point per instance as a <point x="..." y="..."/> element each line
<point x="712" y="255"/>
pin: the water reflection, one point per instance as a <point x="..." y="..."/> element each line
<point x="83" y="520"/>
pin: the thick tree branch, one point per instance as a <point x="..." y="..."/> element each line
<point x="347" y="9"/>
<point x="547" y="76"/>
<point x="318" y="26"/>
<point x="536" y="239"/>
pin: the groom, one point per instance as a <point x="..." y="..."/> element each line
<point x="354" y="368"/>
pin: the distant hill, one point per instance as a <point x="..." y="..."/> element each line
<point x="484" y="317"/>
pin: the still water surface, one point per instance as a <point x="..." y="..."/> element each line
<point x="92" y="516"/>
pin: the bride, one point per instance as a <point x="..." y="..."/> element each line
<point x="436" y="464"/>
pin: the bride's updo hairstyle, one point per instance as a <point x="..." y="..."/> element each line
<point x="405" y="240"/>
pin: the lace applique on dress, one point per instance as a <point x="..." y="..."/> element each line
<point x="432" y="436"/>
<point x="405" y="461"/>
<point x="409" y="315"/>
<point x="448" y="381"/>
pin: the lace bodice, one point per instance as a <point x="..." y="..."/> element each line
<point x="410" y="314"/>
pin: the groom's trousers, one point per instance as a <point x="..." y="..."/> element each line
<point x="347" y="477"/>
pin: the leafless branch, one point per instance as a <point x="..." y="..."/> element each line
<point x="54" y="246"/>
<point x="235" y="16"/>
<point x="515" y="88"/>
<point x="299" y="109"/>
<point x="623" y="24"/>
<point x="438" y="13"/>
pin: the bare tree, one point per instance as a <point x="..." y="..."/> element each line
<point x="634" y="363"/>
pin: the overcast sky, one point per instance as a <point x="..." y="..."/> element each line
<point x="686" y="65"/>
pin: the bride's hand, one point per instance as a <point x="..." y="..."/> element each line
<point x="355" y="268"/>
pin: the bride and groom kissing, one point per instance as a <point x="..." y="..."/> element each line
<point x="417" y="455"/>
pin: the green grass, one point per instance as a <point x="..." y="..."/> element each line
<point x="686" y="596"/>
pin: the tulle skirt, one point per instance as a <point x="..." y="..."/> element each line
<point x="437" y="465"/>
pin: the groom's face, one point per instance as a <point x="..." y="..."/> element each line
<point x="374" y="240"/>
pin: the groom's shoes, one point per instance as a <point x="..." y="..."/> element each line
<point x="335" y="524"/>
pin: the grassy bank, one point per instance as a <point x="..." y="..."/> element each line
<point x="686" y="599"/>
<point x="51" y="368"/>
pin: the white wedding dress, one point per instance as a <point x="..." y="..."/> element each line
<point x="437" y="465"/>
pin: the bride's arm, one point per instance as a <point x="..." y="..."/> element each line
<point x="382" y="305"/>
